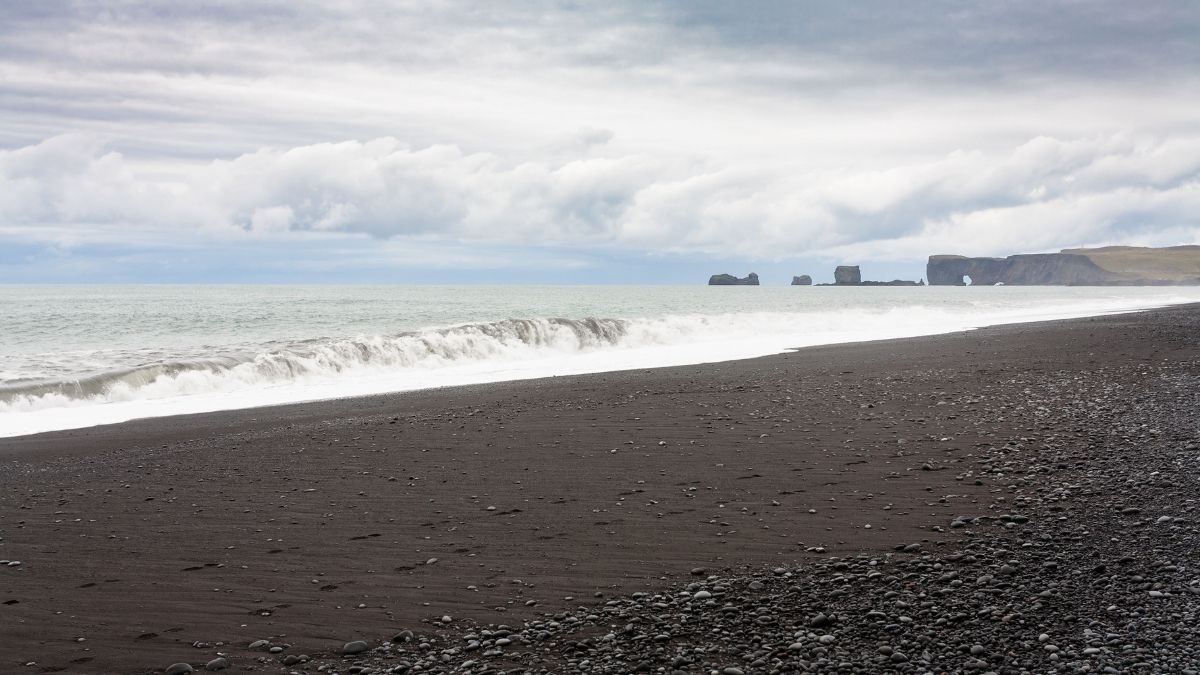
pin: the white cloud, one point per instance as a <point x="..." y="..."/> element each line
<point x="1043" y="194"/>
<point x="765" y="130"/>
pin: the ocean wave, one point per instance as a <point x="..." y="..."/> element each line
<point x="193" y="379"/>
<point x="512" y="339"/>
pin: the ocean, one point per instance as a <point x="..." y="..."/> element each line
<point x="78" y="356"/>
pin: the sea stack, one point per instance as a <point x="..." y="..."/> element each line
<point x="802" y="280"/>
<point x="730" y="280"/>
<point x="847" y="275"/>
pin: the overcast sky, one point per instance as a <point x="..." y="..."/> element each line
<point x="585" y="142"/>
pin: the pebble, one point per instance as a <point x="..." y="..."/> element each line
<point x="355" y="647"/>
<point x="1049" y="550"/>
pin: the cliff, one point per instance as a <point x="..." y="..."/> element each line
<point x="1044" y="269"/>
<point x="730" y="280"/>
<point x="847" y="275"/>
<point x="802" y="280"/>
<point x="1171" y="264"/>
<point x="1110" y="266"/>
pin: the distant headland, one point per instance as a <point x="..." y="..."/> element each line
<point x="1107" y="266"/>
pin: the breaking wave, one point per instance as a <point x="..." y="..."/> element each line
<point x="307" y="360"/>
<point x="54" y="390"/>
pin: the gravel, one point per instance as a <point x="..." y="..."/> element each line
<point x="1059" y="573"/>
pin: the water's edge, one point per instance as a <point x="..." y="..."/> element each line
<point x="599" y="336"/>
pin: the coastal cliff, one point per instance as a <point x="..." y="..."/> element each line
<point x="1109" y="266"/>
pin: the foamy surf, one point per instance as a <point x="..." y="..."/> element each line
<point x="279" y="371"/>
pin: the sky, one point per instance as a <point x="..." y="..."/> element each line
<point x="572" y="142"/>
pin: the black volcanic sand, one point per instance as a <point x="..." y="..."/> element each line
<point x="1039" y="481"/>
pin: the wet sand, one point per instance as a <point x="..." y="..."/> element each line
<point x="316" y="524"/>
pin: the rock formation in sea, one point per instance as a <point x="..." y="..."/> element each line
<point x="893" y="282"/>
<point x="802" y="280"/>
<point x="730" y="280"/>
<point x="1108" y="266"/>
<point x="847" y="275"/>
<point x="851" y="275"/>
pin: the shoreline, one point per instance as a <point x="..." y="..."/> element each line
<point x="582" y="363"/>
<point x="281" y="411"/>
<point x="315" y="524"/>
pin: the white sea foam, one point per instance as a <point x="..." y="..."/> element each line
<point x="282" y="372"/>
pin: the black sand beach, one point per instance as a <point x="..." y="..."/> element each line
<point x="1015" y="499"/>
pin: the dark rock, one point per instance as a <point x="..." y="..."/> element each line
<point x="1109" y="266"/>
<point x="730" y="280"/>
<point x="847" y="275"/>
<point x="802" y="280"/>
<point x="893" y="282"/>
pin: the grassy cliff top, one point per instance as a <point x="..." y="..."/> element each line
<point x="1174" y="263"/>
